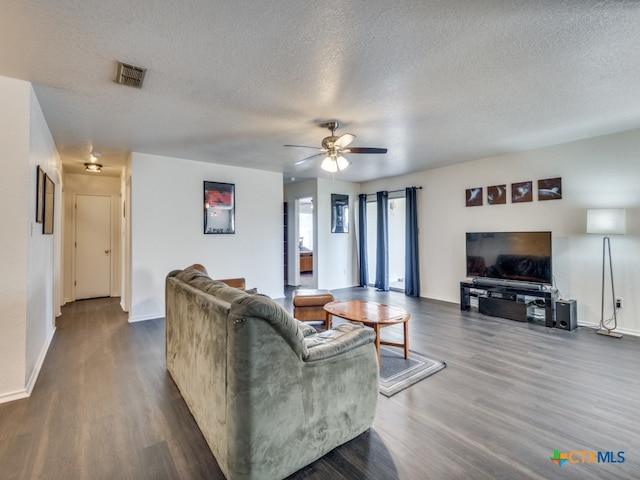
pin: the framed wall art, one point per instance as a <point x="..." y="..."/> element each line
<point x="219" y="207"/>
<point x="497" y="194"/>
<point x="339" y="213"/>
<point x="39" y="195"/>
<point x="522" y="192"/>
<point x="49" y="200"/>
<point x="550" y="189"/>
<point x="474" y="197"/>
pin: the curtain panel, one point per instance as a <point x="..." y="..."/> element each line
<point x="382" y="243"/>
<point x="363" y="270"/>
<point x="412" y="257"/>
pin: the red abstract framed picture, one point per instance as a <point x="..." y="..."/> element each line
<point x="219" y="207"/>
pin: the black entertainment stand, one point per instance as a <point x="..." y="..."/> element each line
<point x="508" y="301"/>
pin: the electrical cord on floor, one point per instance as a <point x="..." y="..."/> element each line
<point x="610" y="323"/>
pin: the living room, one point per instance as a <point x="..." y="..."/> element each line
<point x="587" y="182"/>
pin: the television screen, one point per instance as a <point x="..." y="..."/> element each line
<point x="518" y="256"/>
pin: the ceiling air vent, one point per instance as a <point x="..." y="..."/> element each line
<point x="130" y="75"/>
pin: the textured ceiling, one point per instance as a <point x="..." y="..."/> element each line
<point x="435" y="82"/>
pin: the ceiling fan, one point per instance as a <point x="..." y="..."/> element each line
<point x="334" y="147"/>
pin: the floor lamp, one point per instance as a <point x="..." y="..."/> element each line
<point x="607" y="221"/>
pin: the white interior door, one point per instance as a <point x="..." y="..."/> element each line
<point x="93" y="246"/>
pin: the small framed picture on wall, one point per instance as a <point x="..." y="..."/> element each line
<point x="39" y="194"/>
<point x="49" y="200"/>
<point x="339" y="213"/>
<point x="497" y="194"/>
<point x="474" y="197"/>
<point x="522" y="192"/>
<point x="550" y="189"/>
<point x="219" y="207"/>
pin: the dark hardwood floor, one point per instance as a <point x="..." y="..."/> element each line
<point x="104" y="406"/>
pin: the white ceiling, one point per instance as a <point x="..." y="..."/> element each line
<point x="436" y="82"/>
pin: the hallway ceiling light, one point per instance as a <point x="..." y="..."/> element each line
<point x="93" y="167"/>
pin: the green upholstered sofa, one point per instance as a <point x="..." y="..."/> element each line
<point x="269" y="394"/>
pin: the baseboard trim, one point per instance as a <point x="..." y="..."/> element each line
<point x="36" y="371"/>
<point x="26" y="392"/>
<point x="624" y="331"/>
<point x="12" y="396"/>
<point x="145" y="318"/>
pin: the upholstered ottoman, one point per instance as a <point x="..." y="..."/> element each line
<point x="308" y="305"/>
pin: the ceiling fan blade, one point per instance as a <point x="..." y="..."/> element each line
<point x="301" y="146"/>
<point x="308" y="158"/>
<point x="364" y="150"/>
<point x="344" y="140"/>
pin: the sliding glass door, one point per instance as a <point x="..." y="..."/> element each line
<point x="396" y="215"/>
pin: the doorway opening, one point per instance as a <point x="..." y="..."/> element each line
<point x="305" y="242"/>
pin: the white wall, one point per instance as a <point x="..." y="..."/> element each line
<point x="125" y="236"/>
<point x="44" y="264"/>
<point x="16" y="224"/>
<point x="29" y="259"/>
<point x="337" y="255"/>
<point x="335" y="258"/>
<point x="167" y="228"/>
<point x="597" y="172"/>
<point x="93" y="184"/>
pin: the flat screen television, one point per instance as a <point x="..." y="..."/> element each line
<point x="510" y="256"/>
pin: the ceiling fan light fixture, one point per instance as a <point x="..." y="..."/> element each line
<point x="329" y="164"/>
<point x="342" y="162"/>
<point x="333" y="148"/>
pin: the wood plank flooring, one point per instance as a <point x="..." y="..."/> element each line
<point x="104" y="406"/>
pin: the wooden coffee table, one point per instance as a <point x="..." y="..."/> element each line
<point x="374" y="315"/>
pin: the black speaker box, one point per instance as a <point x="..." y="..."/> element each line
<point x="566" y="314"/>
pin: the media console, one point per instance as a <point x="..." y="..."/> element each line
<point x="508" y="300"/>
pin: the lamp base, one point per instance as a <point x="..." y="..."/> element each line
<point x="609" y="333"/>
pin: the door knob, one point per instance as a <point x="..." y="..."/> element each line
<point x="107" y="252"/>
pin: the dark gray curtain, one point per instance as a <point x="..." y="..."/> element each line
<point x="412" y="259"/>
<point x="363" y="272"/>
<point x="382" y="243"/>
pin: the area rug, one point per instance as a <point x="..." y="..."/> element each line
<point x="398" y="373"/>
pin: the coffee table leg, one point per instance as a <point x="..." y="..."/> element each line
<point x="406" y="339"/>
<point x="376" y="328"/>
<point x="327" y="321"/>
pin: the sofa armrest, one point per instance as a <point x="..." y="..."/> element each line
<point x="337" y="340"/>
<point x="307" y="330"/>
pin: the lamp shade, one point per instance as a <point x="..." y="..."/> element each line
<point x="329" y="164"/>
<point x="606" y="221"/>
<point x="342" y="162"/>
